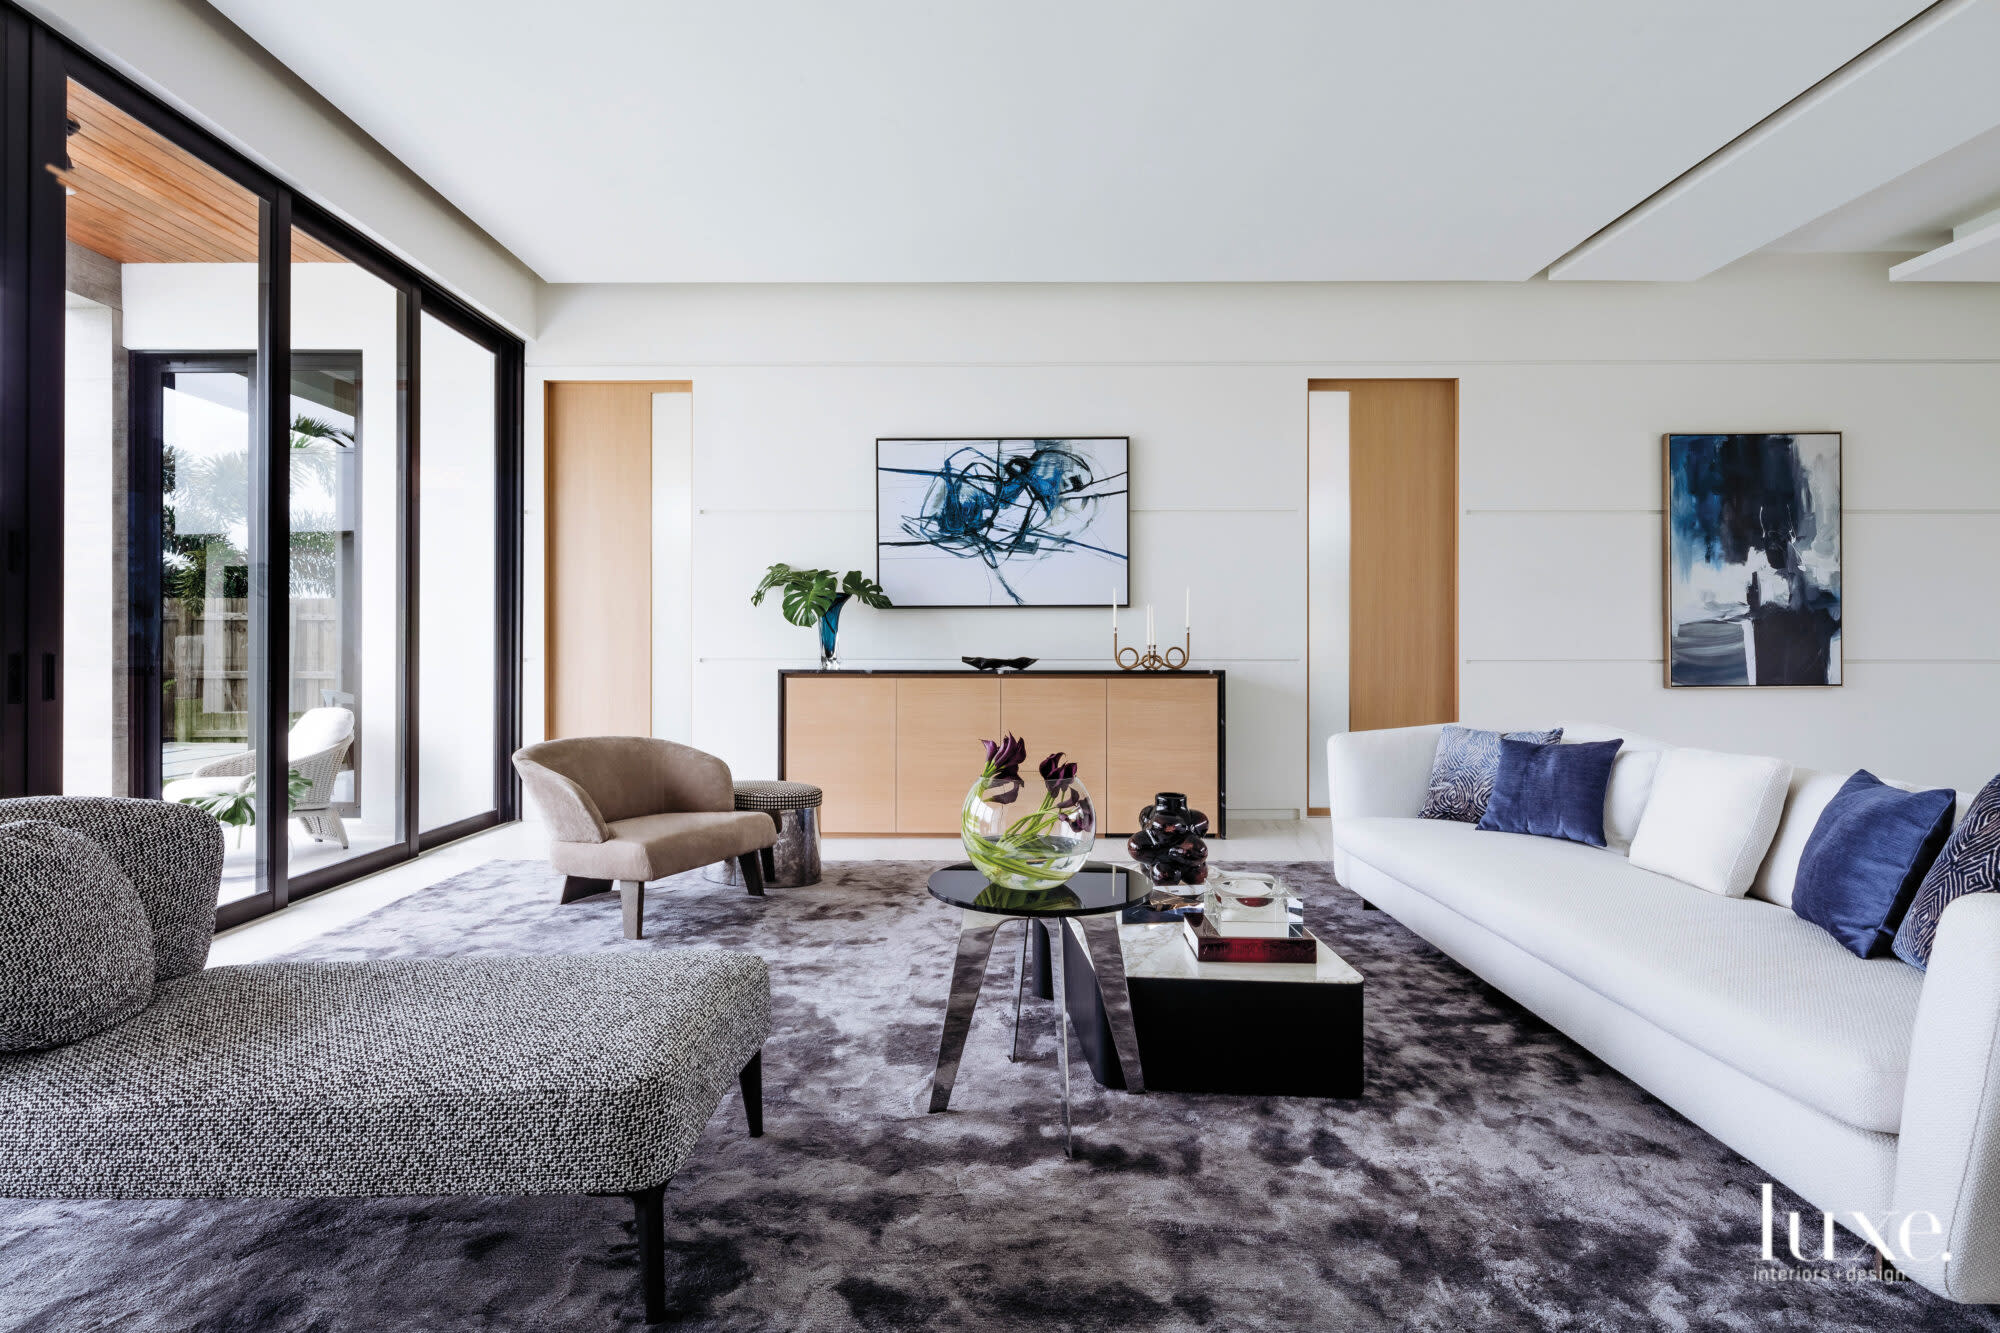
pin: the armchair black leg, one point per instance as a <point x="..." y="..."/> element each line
<point x="650" y="1207"/>
<point x="751" y="1080"/>
<point x="633" y="891"/>
<point x="576" y="886"/>
<point x="753" y="872"/>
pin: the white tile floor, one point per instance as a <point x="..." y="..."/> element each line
<point x="1254" y="840"/>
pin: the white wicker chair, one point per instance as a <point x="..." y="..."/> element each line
<point x="318" y="743"/>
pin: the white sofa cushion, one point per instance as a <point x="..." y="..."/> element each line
<point x="1631" y="777"/>
<point x="1747" y="982"/>
<point x="1710" y="818"/>
<point x="1625" y="797"/>
<point x="1811" y="790"/>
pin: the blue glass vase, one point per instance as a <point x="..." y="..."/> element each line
<point x="829" y="629"/>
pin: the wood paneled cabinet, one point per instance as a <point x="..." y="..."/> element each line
<point x="896" y="751"/>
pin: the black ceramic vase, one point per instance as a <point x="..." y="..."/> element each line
<point x="1168" y="845"/>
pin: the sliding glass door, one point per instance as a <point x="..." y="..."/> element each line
<point x="259" y="483"/>
<point x="458" y="612"/>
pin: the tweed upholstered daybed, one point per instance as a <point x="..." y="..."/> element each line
<point x="413" y="1076"/>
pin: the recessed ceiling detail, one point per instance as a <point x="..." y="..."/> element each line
<point x="1081" y="140"/>
<point x="1922" y="93"/>
<point x="1973" y="255"/>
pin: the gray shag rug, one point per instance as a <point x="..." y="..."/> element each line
<point x="1495" y="1175"/>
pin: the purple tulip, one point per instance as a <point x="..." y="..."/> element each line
<point x="1005" y="754"/>
<point x="1073" y="812"/>
<point x="1003" y="768"/>
<point x="1054" y="770"/>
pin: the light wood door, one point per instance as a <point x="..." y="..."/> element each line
<point x="1403" y="565"/>
<point x="1159" y="735"/>
<point x="1058" y="713"/>
<point x="599" y="557"/>
<point x="939" y="724"/>
<point x="840" y="735"/>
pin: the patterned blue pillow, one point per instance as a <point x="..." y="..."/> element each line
<point x="1462" y="771"/>
<point x="1969" y="863"/>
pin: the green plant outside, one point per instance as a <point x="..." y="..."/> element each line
<point x="238" y="809"/>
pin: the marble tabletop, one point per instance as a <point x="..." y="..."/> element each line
<point x="1162" y="951"/>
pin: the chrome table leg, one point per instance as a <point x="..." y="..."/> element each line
<point x="1020" y="984"/>
<point x="1107" y="958"/>
<point x="968" y="974"/>
<point x="1062" y="1033"/>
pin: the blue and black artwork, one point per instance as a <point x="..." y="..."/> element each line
<point x="1002" y="522"/>
<point x="1753" y="559"/>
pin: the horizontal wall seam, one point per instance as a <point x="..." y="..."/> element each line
<point x="1655" y="661"/>
<point x="1135" y="509"/>
<point x="806" y="663"/>
<point x="1851" y="512"/>
<point x="1323" y="368"/>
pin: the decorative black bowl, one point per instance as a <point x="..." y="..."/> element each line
<point x="999" y="663"/>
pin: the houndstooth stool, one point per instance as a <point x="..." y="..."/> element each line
<point x="794" y="806"/>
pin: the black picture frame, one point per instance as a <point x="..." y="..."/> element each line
<point x="1126" y="497"/>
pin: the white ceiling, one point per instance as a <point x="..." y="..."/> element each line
<point x="1067" y="140"/>
<point x="1915" y="211"/>
<point x="1916" y="96"/>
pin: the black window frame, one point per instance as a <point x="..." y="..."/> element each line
<point x="36" y="65"/>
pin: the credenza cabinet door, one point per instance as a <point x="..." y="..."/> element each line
<point x="1160" y="735"/>
<point x="1063" y="713"/>
<point x="940" y="721"/>
<point x="840" y="734"/>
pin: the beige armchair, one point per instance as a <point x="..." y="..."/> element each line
<point x="629" y="809"/>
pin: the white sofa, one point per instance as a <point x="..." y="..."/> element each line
<point x="1864" y="1085"/>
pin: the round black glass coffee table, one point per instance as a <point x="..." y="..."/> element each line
<point x="1093" y="898"/>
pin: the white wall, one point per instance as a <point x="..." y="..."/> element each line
<point x="1328" y="533"/>
<point x="200" y="63"/>
<point x="1565" y="390"/>
<point x="91" y="680"/>
<point x="673" y="566"/>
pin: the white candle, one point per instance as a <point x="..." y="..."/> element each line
<point x="1150" y="640"/>
<point x="1114" y="610"/>
<point x="1187" y="616"/>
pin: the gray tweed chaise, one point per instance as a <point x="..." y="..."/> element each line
<point x="412" y="1076"/>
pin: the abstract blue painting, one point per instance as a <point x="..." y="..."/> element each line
<point x="1753" y="559"/>
<point x="1003" y="522"/>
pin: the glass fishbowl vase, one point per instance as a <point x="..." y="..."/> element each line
<point x="1030" y="835"/>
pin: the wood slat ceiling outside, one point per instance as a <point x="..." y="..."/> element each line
<point x="140" y="200"/>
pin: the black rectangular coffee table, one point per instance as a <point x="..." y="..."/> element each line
<point x="1250" y="1029"/>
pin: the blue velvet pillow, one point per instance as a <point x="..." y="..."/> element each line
<point x="1969" y="863"/>
<point x="1462" y="770"/>
<point x="1552" y="791"/>
<point x="1866" y="857"/>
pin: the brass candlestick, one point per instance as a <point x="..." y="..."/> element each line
<point x="1152" y="659"/>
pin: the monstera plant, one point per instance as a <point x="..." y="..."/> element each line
<point x="813" y="597"/>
